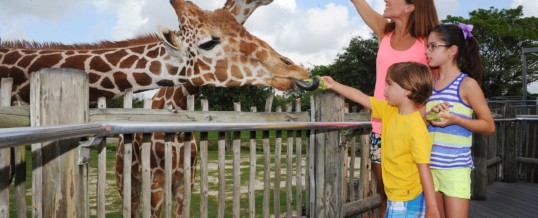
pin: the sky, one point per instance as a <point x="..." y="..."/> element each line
<point x="309" y="32"/>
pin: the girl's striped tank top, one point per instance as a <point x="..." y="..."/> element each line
<point x="451" y="144"/>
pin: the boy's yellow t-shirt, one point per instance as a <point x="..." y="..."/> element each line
<point x="405" y="142"/>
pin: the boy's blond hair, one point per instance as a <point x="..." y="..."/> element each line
<point x="414" y="77"/>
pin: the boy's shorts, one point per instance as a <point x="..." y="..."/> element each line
<point x="375" y="147"/>
<point x="412" y="208"/>
<point x="453" y="182"/>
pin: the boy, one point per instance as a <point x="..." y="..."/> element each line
<point x="407" y="143"/>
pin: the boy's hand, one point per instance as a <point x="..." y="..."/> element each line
<point x="327" y="81"/>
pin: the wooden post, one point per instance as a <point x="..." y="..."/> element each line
<point x="60" y="185"/>
<point x="328" y="159"/>
<point x="480" y="173"/>
<point x="510" y="154"/>
<point x="101" y="169"/>
<point x="5" y="153"/>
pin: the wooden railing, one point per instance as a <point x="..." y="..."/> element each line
<point x="510" y="155"/>
<point x="322" y="178"/>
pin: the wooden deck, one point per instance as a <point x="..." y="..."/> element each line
<point x="507" y="200"/>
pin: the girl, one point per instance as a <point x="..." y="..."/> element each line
<point x="454" y="50"/>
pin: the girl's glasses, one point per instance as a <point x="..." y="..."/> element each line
<point x="432" y="46"/>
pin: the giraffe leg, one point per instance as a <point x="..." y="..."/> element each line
<point x="135" y="172"/>
<point x="135" y="197"/>
<point x="157" y="193"/>
<point x="179" y="193"/>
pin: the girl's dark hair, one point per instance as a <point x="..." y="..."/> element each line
<point x="468" y="56"/>
<point x="421" y="21"/>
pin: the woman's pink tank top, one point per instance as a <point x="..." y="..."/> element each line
<point x="386" y="56"/>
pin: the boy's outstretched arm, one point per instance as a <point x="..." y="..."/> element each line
<point x="429" y="192"/>
<point x="348" y="92"/>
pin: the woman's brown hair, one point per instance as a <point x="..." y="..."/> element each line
<point x="421" y="21"/>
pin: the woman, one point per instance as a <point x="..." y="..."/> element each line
<point x="401" y="39"/>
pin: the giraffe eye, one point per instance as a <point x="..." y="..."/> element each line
<point x="210" y="44"/>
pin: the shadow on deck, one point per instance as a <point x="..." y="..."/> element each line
<point x="507" y="200"/>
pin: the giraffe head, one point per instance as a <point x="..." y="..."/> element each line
<point x="217" y="50"/>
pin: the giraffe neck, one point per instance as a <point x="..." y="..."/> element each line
<point x="140" y="64"/>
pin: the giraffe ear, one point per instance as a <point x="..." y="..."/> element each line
<point x="171" y="43"/>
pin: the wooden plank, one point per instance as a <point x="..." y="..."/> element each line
<point x="512" y="142"/>
<point x="252" y="176"/>
<point x="351" y="181"/>
<point x="299" y="172"/>
<point x="362" y="205"/>
<point x="139" y="114"/>
<point x="126" y="175"/>
<point x="5" y="153"/>
<point x="128" y="98"/>
<point x="479" y="174"/>
<point x="278" y="157"/>
<point x="145" y="157"/>
<point x="236" y="174"/>
<point x="169" y="142"/>
<point x="14" y="116"/>
<point x="507" y="200"/>
<point x="204" y="183"/>
<point x="266" y="173"/>
<point x="289" y="171"/>
<point x="60" y="96"/>
<point x="329" y="173"/>
<point x="101" y="169"/>
<point x="187" y="174"/>
<point x="222" y="180"/>
<point x="310" y="156"/>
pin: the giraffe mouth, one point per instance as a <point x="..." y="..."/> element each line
<point x="308" y="84"/>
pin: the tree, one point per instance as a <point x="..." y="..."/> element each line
<point x="222" y="98"/>
<point x="502" y="35"/>
<point x="138" y="102"/>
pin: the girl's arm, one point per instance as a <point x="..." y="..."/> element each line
<point x="472" y="94"/>
<point x="374" y="20"/>
<point x="429" y="192"/>
<point x="348" y="92"/>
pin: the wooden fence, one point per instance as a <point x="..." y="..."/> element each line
<point x="332" y="179"/>
<point x="325" y="179"/>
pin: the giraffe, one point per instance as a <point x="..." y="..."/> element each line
<point x="210" y="48"/>
<point x="198" y="55"/>
<point x="172" y="98"/>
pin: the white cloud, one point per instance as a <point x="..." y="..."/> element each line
<point x="530" y="8"/>
<point x="136" y="17"/>
<point x="311" y="37"/>
<point x="39" y="9"/>
<point x="15" y="14"/>
<point x="446" y="7"/>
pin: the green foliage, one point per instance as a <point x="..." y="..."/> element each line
<point x="502" y="35"/>
<point x="355" y="67"/>
<point x="223" y="98"/>
<point x="118" y="103"/>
